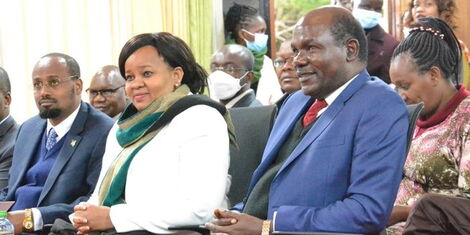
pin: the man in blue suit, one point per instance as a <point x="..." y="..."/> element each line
<point x="334" y="158"/>
<point x="57" y="157"/>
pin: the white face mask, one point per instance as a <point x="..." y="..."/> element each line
<point x="224" y="85"/>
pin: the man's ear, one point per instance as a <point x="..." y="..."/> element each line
<point x="352" y="50"/>
<point x="247" y="79"/>
<point x="78" y="85"/>
<point x="7" y="99"/>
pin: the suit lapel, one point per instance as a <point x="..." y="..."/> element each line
<point x="6" y="125"/>
<point x="326" y="118"/>
<point x="71" y="142"/>
<point x="26" y="154"/>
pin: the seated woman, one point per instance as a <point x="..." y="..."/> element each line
<point x="167" y="158"/>
<point x="425" y="68"/>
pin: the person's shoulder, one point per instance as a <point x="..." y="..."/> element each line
<point x="98" y="116"/>
<point x="463" y="109"/>
<point x="380" y="92"/>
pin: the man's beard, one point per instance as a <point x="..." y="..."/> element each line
<point x="50" y="113"/>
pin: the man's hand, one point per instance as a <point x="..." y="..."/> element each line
<point x="16" y="218"/>
<point x="235" y="223"/>
<point x="90" y="218"/>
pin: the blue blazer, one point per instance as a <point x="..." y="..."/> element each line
<point x="76" y="169"/>
<point x="344" y="174"/>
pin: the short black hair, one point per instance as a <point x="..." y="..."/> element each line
<point x="345" y="27"/>
<point x="239" y="17"/>
<point x="72" y="64"/>
<point x="174" y="52"/>
<point x="429" y="49"/>
<point x="5" y="85"/>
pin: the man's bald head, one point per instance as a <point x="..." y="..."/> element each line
<point x="342" y="25"/>
<point x="238" y="53"/>
<point x="106" y="91"/>
<point x="5" y="96"/>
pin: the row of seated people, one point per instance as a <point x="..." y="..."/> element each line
<point x="333" y="161"/>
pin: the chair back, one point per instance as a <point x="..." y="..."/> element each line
<point x="252" y="128"/>
<point x="413" y="114"/>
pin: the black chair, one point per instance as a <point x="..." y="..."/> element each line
<point x="413" y="113"/>
<point x="252" y="128"/>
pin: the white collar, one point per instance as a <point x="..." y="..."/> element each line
<point x="63" y="127"/>
<point x="2" y="121"/>
<point x="332" y="97"/>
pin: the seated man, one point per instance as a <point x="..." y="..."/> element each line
<point x="230" y="80"/>
<point x="57" y="160"/>
<point x="106" y="91"/>
<point x="285" y="71"/>
<point x="380" y="44"/>
<point x="8" y="128"/>
<point x="335" y="156"/>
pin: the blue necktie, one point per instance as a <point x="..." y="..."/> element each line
<point x="51" y="139"/>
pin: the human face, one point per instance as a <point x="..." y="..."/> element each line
<point x="5" y="100"/>
<point x="148" y="77"/>
<point x="55" y="103"/>
<point x="319" y="62"/>
<point x="412" y="85"/>
<point x="285" y="69"/>
<point x="229" y="63"/>
<point x="257" y="25"/>
<point x="106" y="93"/>
<point x="424" y="8"/>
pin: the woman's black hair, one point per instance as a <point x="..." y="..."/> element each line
<point x="174" y="51"/>
<point x="239" y="17"/>
<point x="433" y="43"/>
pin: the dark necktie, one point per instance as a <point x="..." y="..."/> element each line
<point x="313" y="111"/>
<point x="51" y="139"/>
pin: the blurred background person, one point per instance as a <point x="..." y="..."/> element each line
<point x="344" y="3"/>
<point x="445" y="10"/>
<point x="425" y="68"/>
<point x="232" y="73"/>
<point x="285" y="71"/>
<point x="380" y="44"/>
<point x="106" y="91"/>
<point x="8" y="128"/>
<point x="175" y="141"/>
<point x="245" y="26"/>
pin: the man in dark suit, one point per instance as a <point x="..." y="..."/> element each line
<point x="8" y="128"/>
<point x="380" y="44"/>
<point x="335" y="155"/>
<point x="57" y="158"/>
<point x="230" y="80"/>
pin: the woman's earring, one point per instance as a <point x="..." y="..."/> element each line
<point x="177" y="85"/>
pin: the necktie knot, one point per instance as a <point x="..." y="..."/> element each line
<point x="312" y="112"/>
<point x="51" y="139"/>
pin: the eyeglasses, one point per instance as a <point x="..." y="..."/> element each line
<point x="279" y="62"/>
<point x="103" y="92"/>
<point x="228" y="69"/>
<point x="51" y="83"/>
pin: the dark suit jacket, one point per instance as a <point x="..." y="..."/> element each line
<point x="8" y="131"/>
<point x="344" y="174"/>
<point x="249" y="100"/>
<point x="76" y="169"/>
<point x="381" y="46"/>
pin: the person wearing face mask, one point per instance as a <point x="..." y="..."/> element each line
<point x="380" y="44"/>
<point x="244" y="26"/>
<point x="232" y="73"/>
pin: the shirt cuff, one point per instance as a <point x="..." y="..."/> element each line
<point x="274" y="221"/>
<point x="37" y="218"/>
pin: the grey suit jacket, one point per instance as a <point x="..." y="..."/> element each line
<point x="8" y="131"/>
<point x="76" y="169"/>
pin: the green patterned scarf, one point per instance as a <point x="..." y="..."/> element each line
<point x="259" y="60"/>
<point x="134" y="133"/>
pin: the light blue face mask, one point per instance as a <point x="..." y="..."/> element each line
<point x="260" y="43"/>
<point x="367" y="19"/>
